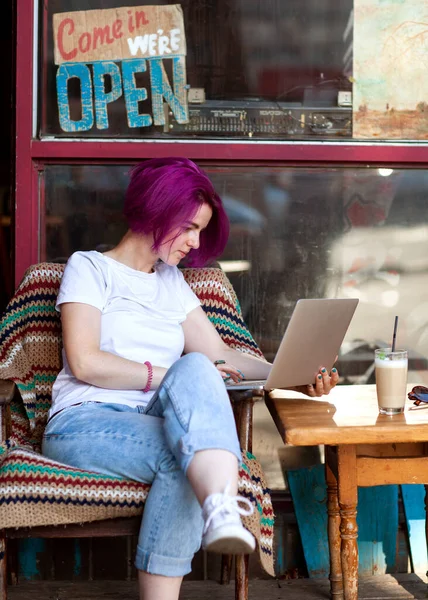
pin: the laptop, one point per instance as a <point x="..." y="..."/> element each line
<point x="312" y="340"/>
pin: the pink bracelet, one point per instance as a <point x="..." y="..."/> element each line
<point x="149" y="377"/>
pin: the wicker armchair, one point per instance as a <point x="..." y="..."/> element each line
<point x="38" y="494"/>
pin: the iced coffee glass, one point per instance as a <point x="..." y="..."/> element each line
<point x="391" y="380"/>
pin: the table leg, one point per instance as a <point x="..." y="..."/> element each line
<point x="347" y="493"/>
<point x="334" y="541"/>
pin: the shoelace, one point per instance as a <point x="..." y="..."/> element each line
<point x="230" y="504"/>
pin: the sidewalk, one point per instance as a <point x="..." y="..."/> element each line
<point x="380" y="587"/>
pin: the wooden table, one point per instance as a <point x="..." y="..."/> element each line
<point x="363" y="448"/>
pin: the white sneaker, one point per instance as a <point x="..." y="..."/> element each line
<point x="223" y="532"/>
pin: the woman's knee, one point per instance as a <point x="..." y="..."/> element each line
<point x="195" y="389"/>
<point x="198" y="362"/>
<point x="194" y="370"/>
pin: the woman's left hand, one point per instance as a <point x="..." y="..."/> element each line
<point x="229" y="372"/>
<point x="324" y="383"/>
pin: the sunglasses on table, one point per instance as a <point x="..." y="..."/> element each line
<point x="418" y="394"/>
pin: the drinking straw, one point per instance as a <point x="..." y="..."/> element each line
<point x="394" y="335"/>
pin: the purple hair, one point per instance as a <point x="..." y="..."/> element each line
<point x="164" y="194"/>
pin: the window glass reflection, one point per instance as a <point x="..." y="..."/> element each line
<point x="261" y="69"/>
<point x="295" y="233"/>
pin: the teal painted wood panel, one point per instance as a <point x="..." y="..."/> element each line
<point x="377" y="520"/>
<point x="29" y="554"/>
<point x="39" y="559"/>
<point x="309" y="492"/>
<point x="414" y="509"/>
<point x="77" y="558"/>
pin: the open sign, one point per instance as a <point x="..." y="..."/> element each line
<point x="118" y="44"/>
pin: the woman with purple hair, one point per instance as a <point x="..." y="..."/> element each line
<point x="128" y="402"/>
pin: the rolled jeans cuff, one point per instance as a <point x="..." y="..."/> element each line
<point x="156" y="564"/>
<point x="203" y="439"/>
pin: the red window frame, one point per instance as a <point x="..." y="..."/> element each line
<point x="32" y="154"/>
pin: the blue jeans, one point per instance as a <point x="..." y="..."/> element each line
<point x="154" y="444"/>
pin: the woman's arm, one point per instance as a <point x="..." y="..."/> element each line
<point x="201" y="336"/>
<point x="81" y="330"/>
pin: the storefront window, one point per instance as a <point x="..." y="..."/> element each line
<point x="295" y="233"/>
<point x="251" y="70"/>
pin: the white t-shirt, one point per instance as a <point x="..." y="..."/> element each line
<point x="141" y="316"/>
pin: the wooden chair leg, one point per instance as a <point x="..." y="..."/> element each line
<point x="242" y="404"/>
<point x="241" y="576"/>
<point x="226" y="559"/>
<point x="12" y="562"/>
<point x="334" y="542"/>
<point x="226" y="568"/>
<point x="244" y="419"/>
<point x="3" y="567"/>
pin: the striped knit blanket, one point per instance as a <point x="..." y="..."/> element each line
<point x="35" y="490"/>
